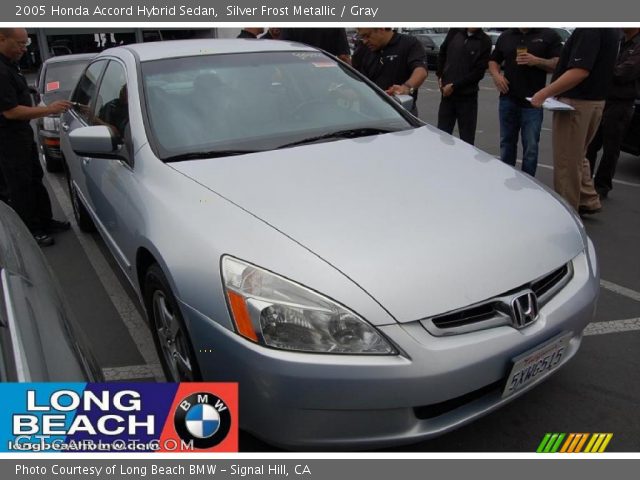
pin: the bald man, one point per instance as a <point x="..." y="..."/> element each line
<point x="19" y="162"/>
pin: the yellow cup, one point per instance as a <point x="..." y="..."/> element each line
<point x="521" y="50"/>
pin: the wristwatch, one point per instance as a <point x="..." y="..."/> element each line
<point x="411" y="89"/>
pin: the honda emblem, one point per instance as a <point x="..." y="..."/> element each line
<point x="524" y="309"/>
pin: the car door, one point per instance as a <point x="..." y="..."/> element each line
<point x="110" y="183"/>
<point x="80" y="116"/>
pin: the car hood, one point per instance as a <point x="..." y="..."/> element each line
<point x="423" y="222"/>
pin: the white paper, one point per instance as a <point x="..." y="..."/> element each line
<point x="553" y="104"/>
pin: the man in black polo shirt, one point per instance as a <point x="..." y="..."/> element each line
<point x="394" y="62"/>
<point x="462" y="61"/>
<point x="526" y="55"/>
<point x="618" y="112"/>
<point x="582" y="80"/>
<point x="19" y="162"/>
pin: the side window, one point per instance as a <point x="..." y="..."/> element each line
<point x="86" y="89"/>
<point x="112" y="106"/>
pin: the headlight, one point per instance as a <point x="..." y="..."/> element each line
<point x="51" y="123"/>
<point x="276" y="312"/>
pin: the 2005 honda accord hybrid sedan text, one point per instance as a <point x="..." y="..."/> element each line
<point x="367" y="279"/>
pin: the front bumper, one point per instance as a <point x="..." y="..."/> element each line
<point x="437" y="384"/>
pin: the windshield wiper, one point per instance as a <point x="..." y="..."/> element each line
<point x="207" y="154"/>
<point x="350" y="133"/>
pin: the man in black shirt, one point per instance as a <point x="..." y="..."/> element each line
<point x="618" y="112"/>
<point x="394" y="62"/>
<point x="332" y="40"/>
<point x="582" y="80"/>
<point x="462" y="61"/>
<point x="19" y="162"/>
<point x="526" y="55"/>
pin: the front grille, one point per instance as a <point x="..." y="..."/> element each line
<point x="496" y="311"/>
<point x="468" y="315"/>
<point x="547" y="283"/>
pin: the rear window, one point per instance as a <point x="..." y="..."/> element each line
<point x="63" y="76"/>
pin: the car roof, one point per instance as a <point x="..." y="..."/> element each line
<point x="70" y="58"/>
<point x="189" y="48"/>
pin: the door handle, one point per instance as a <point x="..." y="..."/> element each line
<point x="64" y="126"/>
<point x="86" y="161"/>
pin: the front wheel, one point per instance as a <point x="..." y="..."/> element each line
<point x="169" y="331"/>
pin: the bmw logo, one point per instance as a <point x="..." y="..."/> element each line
<point x="202" y="418"/>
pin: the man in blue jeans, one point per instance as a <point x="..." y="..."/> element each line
<point x="519" y="65"/>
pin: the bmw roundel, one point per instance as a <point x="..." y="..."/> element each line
<point x="202" y="418"/>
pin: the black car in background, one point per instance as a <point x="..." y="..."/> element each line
<point x="39" y="339"/>
<point x="57" y="77"/>
<point x="431" y="43"/>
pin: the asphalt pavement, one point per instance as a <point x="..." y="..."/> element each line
<point x="597" y="391"/>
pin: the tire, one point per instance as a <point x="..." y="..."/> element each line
<point x="80" y="213"/>
<point x="170" y="334"/>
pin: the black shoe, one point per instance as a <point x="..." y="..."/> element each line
<point x="602" y="192"/>
<point x="57" y="226"/>
<point x="588" y="211"/>
<point x="44" y="240"/>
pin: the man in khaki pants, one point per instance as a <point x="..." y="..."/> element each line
<point x="582" y="79"/>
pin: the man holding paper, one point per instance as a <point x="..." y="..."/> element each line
<point x="525" y="56"/>
<point x="581" y="79"/>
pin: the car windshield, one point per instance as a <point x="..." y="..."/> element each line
<point x="215" y="105"/>
<point x="564" y="34"/>
<point x="63" y="76"/>
<point x="438" y="39"/>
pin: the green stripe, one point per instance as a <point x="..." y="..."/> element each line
<point x="558" y="443"/>
<point x="552" y="441"/>
<point x="543" y="443"/>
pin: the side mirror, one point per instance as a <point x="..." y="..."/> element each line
<point x="405" y="100"/>
<point x="97" y="141"/>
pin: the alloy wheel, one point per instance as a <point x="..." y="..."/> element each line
<point x="172" y="340"/>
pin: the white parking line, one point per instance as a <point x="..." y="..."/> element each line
<point x="616" y="326"/>
<point x="620" y="290"/>
<point x="137" y="327"/>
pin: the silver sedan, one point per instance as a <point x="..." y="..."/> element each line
<point x="366" y="279"/>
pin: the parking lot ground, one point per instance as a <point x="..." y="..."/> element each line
<point x="100" y="298"/>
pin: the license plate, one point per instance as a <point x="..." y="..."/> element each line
<point x="536" y="363"/>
